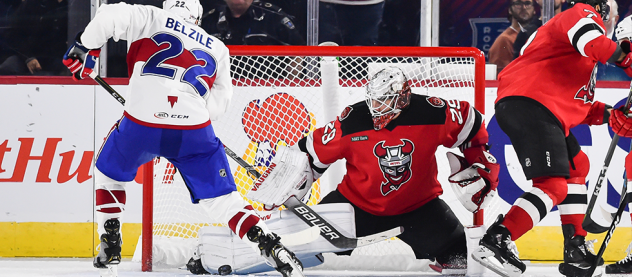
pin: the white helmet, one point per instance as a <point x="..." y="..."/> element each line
<point x="387" y="94"/>
<point x="190" y="10"/>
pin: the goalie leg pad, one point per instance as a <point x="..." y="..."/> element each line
<point x="218" y="246"/>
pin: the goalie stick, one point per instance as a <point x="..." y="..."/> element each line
<point x="312" y="218"/>
<point x="299" y="208"/>
<point x="589" y="224"/>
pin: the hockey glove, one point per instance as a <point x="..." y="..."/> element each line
<point x="489" y="168"/>
<point x="470" y="188"/>
<point x="620" y="123"/>
<point x="80" y="60"/>
<point x="289" y="174"/>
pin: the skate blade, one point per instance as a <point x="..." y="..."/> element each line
<point x="448" y="272"/>
<point x="296" y="270"/>
<point x="110" y="271"/>
<point x="570" y="270"/>
<point x="487" y="258"/>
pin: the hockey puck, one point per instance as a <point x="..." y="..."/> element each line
<point x="224" y="270"/>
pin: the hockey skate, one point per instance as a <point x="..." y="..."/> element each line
<point x="623" y="266"/>
<point x="497" y="252"/>
<point x="578" y="254"/>
<point x="110" y="253"/>
<point x="282" y="259"/>
<point x="455" y="266"/>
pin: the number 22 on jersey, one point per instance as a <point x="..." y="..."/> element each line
<point x="199" y="66"/>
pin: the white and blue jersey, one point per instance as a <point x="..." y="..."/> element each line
<point x="179" y="82"/>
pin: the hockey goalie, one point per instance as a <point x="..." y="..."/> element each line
<point x="389" y="143"/>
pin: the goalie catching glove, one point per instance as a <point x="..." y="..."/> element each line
<point x="80" y="60"/>
<point x="474" y="180"/>
<point x="289" y="174"/>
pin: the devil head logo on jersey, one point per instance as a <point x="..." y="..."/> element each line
<point x="395" y="162"/>
<point x="587" y="92"/>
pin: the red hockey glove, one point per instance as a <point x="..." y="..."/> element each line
<point x="489" y="170"/>
<point x="80" y="60"/>
<point x="620" y="123"/>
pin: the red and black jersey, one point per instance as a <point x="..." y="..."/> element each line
<point x="558" y="64"/>
<point x="393" y="171"/>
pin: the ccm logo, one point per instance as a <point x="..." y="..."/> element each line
<point x="314" y="220"/>
<point x="163" y="115"/>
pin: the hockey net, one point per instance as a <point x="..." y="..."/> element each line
<point x="281" y="94"/>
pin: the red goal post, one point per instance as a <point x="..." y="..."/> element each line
<point x="281" y="94"/>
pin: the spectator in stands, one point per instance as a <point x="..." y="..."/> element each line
<point x="520" y="13"/>
<point x="522" y="37"/>
<point x="37" y="32"/>
<point x="248" y="22"/>
<point x="608" y="71"/>
<point x="350" y="22"/>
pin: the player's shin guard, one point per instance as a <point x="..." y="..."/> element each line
<point x="110" y="204"/>
<point x="498" y="252"/>
<point x="110" y="199"/>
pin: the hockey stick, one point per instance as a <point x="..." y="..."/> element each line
<point x="301" y="237"/>
<point x="625" y="199"/>
<point x="312" y="218"/>
<point x="588" y="224"/>
<point x="121" y="100"/>
<point x="299" y="208"/>
<point x="330" y="233"/>
<point x="108" y="88"/>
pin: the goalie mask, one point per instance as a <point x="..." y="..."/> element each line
<point x="604" y="8"/>
<point x="189" y="10"/>
<point x="387" y="94"/>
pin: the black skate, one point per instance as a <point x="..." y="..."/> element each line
<point x="623" y="266"/>
<point x="578" y="255"/>
<point x="282" y="259"/>
<point x="497" y="252"/>
<point x="110" y="254"/>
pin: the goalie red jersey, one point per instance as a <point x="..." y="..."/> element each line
<point x="558" y="64"/>
<point x="393" y="171"/>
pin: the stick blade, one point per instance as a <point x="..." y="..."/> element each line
<point x="302" y="237"/>
<point x="371" y="239"/>
<point x="593" y="227"/>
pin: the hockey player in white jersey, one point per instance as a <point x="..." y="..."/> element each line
<point x="179" y="82"/>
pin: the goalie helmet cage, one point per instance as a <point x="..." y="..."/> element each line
<point x="280" y="95"/>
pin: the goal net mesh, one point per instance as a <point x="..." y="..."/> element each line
<point x="279" y="99"/>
